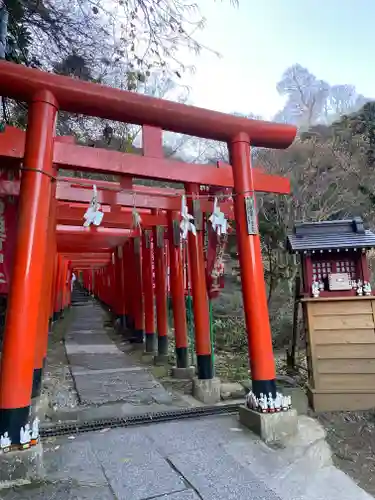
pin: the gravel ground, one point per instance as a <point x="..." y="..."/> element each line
<point x="58" y="382"/>
<point x="352" y="439"/>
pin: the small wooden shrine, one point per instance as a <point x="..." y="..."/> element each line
<point x="339" y="312"/>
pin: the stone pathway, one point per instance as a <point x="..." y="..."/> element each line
<point x="211" y="458"/>
<point x="102" y="373"/>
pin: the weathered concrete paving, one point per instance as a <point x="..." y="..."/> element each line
<point x="202" y="459"/>
<point x="102" y="373"/>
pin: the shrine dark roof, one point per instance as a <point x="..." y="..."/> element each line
<point x="330" y="235"/>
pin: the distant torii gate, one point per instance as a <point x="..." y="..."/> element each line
<point x="46" y="94"/>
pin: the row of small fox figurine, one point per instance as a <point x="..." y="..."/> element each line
<point x="269" y="404"/>
<point x="27" y="435"/>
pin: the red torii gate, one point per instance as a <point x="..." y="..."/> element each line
<point x="112" y="193"/>
<point x="46" y="94"/>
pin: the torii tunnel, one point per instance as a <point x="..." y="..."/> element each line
<point x="123" y="265"/>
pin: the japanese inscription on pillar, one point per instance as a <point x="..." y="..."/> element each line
<point x="176" y="233"/>
<point x="147" y="235"/>
<point x="160" y="236"/>
<point x="251" y="216"/>
<point x="197" y="214"/>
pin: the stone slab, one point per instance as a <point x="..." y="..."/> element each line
<point x="210" y="432"/>
<point x="92" y="339"/>
<point x="133" y="468"/>
<point x="58" y="491"/>
<point x="83" y="362"/>
<point x="73" y="348"/>
<point x="79" y="332"/>
<point x="89" y="315"/>
<point x="73" y="461"/>
<point x="131" y="386"/>
<point x="95" y="327"/>
<point x="111" y="370"/>
<point x="271" y="427"/>
<point x="87" y="324"/>
<point x="217" y="476"/>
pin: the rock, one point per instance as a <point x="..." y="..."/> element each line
<point x="225" y="395"/>
<point x="232" y="390"/>
<point x="285" y="380"/>
<point x="246" y="384"/>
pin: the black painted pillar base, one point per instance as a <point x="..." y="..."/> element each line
<point x="11" y="421"/>
<point x="56" y="316"/>
<point x="205" y="367"/>
<point x="128" y="334"/>
<point x="163" y="345"/>
<point x="137" y="337"/>
<point x="150" y="342"/>
<point x="264" y="387"/>
<point x="37" y="383"/>
<point x="182" y="357"/>
<point x="130" y="324"/>
<point x="123" y="321"/>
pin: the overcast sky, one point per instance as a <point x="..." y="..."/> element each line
<point x="260" y="39"/>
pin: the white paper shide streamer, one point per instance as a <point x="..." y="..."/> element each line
<point x="186" y="225"/>
<point x="137" y="220"/>
<point x="93" y="214"/>
<point x="218" y="221"/>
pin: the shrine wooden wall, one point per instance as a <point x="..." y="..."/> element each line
<point x="341" y="352"/>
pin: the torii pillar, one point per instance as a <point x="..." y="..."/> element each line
<point x="148" y="291"/>
<point x="138" y="333"/>
<point x="262" y="363"/>
<point x="45" y="302"/>
<point x="201" y="311"/>
<point x="21" y="329"/>
<point x="178" y="293"/>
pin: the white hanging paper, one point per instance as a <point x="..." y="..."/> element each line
<point x="218" y="220"/>
<point x="93" y="214"/>
<point x="137" y="220"/>
<point x="186" y="225"/>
